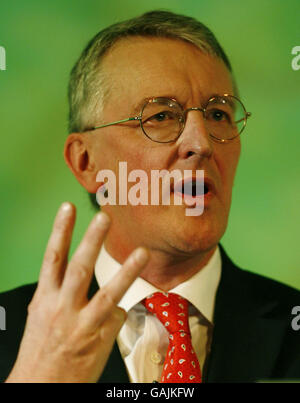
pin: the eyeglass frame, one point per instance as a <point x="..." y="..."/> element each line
<point x="139" y="118"/>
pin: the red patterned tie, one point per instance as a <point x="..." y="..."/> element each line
<point x="181" y="363"/>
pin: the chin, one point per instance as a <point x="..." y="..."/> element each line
<point x="197" y="244"/>
<point x="193" y="239"/>
<point x="174" y="232"/>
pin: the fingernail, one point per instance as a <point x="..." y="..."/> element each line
<point x="103" y="219"/>
<point x="66" y="208"/>
<point x="141" y="255"/>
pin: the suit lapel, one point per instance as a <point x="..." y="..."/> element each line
<point x="246" y="336"/>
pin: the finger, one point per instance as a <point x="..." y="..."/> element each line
<point x="80" y="269"/>
<point x="56" y="254"/>
<point x="106" y="299"/>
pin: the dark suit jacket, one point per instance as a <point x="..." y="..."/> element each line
<point x="252" y="337"/>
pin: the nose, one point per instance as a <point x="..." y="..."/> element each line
<point x="195" y="139"/>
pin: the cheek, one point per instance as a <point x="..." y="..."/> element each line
<point x="142" y="154"/>
<point x="131" y="157"/>
<point x="227" y="162"/>
<point x="114" y="148"/>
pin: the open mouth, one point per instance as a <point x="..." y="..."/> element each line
<point x="191" y="188"/>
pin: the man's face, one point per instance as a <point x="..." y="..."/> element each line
<point x="139" y="68"/>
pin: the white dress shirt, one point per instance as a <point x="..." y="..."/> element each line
<point x="143" y="340"/>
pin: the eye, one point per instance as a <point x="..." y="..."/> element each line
<point x="217" y="115"/>
<point x="161" y="117"/>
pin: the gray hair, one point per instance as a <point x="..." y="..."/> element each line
<point x="87" y="89"/>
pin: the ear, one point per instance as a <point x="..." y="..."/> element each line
<point x="80" y="162"/>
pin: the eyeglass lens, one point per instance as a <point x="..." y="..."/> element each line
<point x="163" y="119"/>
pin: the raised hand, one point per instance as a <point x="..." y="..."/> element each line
<point x="68" y="338"/>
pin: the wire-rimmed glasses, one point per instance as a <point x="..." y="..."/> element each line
<point x="163" y="119"/>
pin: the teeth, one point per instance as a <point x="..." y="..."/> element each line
<point x="191" y="188"/>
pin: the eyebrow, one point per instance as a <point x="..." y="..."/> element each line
<point x="137" y="108"/>
<point x="228" y="100"/>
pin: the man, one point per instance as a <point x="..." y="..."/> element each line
<point x="158" y="93"/>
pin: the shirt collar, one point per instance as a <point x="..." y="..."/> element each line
<point x="200" y="289"/>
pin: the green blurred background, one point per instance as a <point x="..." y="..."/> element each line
<point x="42" y="42"/>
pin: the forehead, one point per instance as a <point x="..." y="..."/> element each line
<point x="138" y="67"/>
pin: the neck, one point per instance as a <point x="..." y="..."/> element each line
<point x="164" y="270"/>
<point x="166" y="273"/>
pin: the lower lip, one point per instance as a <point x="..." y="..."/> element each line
<point x="193" y="200"/>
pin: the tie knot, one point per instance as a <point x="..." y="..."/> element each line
<point x="171" y="310"/>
